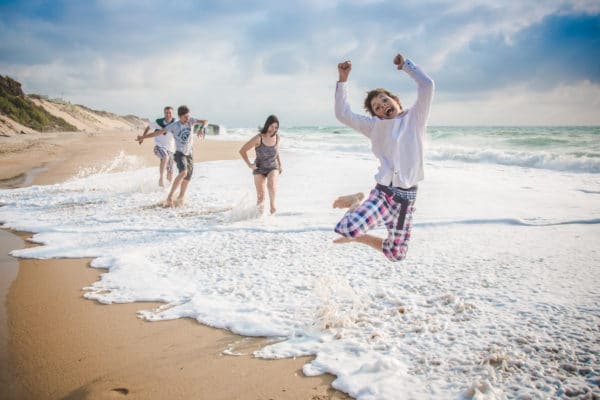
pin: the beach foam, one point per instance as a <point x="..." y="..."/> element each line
<point x="496" y="299"/>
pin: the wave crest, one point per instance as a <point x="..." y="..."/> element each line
<point x="572" y="163"/>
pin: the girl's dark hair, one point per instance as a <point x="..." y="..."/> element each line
<point x="374" y="93"/>
<point x="268" y="122"/>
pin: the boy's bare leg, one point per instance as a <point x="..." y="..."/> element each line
<point x="181" y="199"/>
<point x="370" y="240"/>
<point x="161" y="166"/>
<point x="350" y="201"/>
<point x="170" y="164"/>
<point x="169" y="202"/>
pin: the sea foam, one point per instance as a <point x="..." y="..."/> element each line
<point x="483" y="306"/>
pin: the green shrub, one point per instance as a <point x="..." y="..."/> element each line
<point x="19" y="108"/>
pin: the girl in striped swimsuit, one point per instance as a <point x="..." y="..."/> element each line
<point x="267" y="165"/>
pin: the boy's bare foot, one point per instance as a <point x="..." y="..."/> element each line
<point x="161" y="183"/>
<point x="168" y="203"/>
<point x="273" y="210"/>
<point x="350" y="201"/>
<point x="344" y="239"/>
<point x="180" y="202"/>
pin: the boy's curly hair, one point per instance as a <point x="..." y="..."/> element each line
<point x="373" y="93"/>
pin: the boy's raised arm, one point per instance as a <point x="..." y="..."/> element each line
<point x="344" y="69"/>
<point x="399" y="61"/>
<point x="425" y="88"/>
<point x="343" y="112"/>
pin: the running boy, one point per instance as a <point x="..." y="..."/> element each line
<point x="164" y="146"/>
<point x="182" y="131"/>
<point x="396" y="136"/>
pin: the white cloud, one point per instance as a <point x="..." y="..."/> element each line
<point x="486" y="18"/>
<point x="459" y="40"/>
<point x="575" y="104"/>
<point x="240" y="64"/>
<point x="591" y="7"/>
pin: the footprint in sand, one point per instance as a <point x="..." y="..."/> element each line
<point x="123" y="391"/>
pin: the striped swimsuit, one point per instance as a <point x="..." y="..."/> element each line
<point x="266" y="158"/>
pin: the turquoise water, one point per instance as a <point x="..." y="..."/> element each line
<point x="574" y="149"/>
<point x="570" y="140"/>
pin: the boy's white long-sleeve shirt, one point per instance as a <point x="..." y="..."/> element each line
<point x="397" y="143"/>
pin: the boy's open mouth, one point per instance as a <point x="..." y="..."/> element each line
<point x="389" y="112"/>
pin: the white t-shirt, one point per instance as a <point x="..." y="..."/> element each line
<point x="183" y="134"/>
<point x="166" y="141"/>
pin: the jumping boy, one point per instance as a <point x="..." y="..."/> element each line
<point x="183" y="132"/>
<point x="164" y="146"/>
<point x="396" y="136"/>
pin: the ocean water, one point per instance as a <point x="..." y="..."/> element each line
<point x="498" y="297"/>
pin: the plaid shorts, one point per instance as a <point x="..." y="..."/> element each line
<point x="395" y="210"/>
<point x="161" y="153"/>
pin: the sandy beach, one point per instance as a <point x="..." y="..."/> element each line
<point x="492" y="302"/>
<point x="469" y="270"/>
<point x="57" y="345"/>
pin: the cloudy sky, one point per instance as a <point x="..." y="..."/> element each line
<point x="495" y="62"/>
